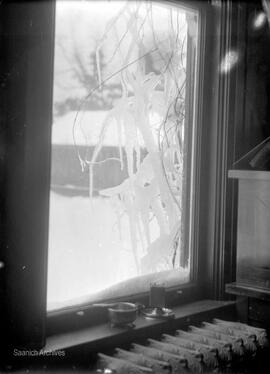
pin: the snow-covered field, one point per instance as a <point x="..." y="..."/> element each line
<point x="86" y="253"/>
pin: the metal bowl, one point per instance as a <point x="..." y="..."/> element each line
<point x="123" y="313"/>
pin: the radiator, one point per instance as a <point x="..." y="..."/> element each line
<point x="212" y="347"/>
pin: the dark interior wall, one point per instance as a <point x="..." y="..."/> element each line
<point x="249" y="126"/>
<point x="254" y="84"/>
<point x="249" y="108"/>
<point x="25" y="97"/>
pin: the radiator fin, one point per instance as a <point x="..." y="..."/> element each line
<point x="209" y="348"/>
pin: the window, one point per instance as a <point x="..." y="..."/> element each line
<point x="27" y="45"/>
<point x="124" y="149"/>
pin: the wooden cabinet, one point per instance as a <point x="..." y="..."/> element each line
<point x="253" y="244"/>
<point x="253" y="227"/>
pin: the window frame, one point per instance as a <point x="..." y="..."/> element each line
<point x="27" y="41"/>
<point x="211" y="169"/>
<point x="181" y="293"/>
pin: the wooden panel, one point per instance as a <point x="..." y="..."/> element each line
<point x="26" y="105"/>
<point x="253" y="241"/>
<point x="249" y="174"/>
<point x="259" y="312"/>
<point x="244" y="290"/>
<point x="255" y="127"/>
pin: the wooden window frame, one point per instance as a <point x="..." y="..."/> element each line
<point x="27" y="40"/>
<point x="84" y="315"/>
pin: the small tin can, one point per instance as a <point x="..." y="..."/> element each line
<point x="157" y="295"/>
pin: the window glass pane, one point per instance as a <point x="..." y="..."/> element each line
<point x="122" y="149"/>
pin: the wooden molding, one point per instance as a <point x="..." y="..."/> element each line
<point x="241" y="289"/>
<point x="249" y="174"/>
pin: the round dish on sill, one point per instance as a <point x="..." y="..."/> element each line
<point x="158" y="313"/>
<point x="120" y="314"/>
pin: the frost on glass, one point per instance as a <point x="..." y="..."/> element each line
<point x="120" y="121"/>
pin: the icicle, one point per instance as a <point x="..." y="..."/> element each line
<point x="98" y="66"/>
<point x="96" y="152"/>
<point x="142" y="201"/>
<point x="133" y="236"/>
<point x="82" y="162"/>
<point x="119" y="129"/>
<point x="90" y="181"/>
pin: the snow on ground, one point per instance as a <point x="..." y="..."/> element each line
<point x="86" y="253"/>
